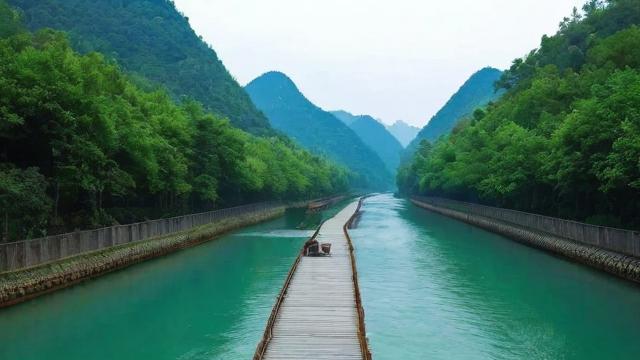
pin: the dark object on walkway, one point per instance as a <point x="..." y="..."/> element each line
<point x="311" y="248"/>
<point x="318" y="314"/>
<point x="326" y="248"/>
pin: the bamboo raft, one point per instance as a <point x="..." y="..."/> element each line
<point x="318" y="314"/>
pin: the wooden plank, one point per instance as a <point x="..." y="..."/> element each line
<point x="318" y="316"/>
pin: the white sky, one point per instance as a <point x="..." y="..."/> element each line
<point x="393" y="60"/>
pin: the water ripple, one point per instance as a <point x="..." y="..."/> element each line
<point x="439" y="289"/>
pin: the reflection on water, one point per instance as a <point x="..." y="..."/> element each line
<point x="436" y="288"/>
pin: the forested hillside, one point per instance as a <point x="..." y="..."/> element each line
<point x="565" y="139"/>
<point x="81" y="145"/>
<point x="10" y="23"/>
<point x="476" y="92"/>
<point x="153" y="40"/>
<point x="376" y="136"/>
<point x="404" y="132"/>
<point x="290" y="112"/>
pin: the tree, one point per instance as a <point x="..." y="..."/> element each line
<point x="24" y="202"/>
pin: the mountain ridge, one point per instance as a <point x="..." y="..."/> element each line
<point x="477" y="91"/>
<point x="404" y="132"/>
<point x="153" y="41"/>
<point x="292" y="113"/>
<point x="375" y="135"/>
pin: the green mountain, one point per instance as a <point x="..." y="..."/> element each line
<point x="151" y="39"/>
<point x="475" y="93"/>
<point x="564" y="140"/>
<point x="376" y="136"/>
<point x="320" y="131"/>
<point x="82" y="145"/>
<point x="10" y="22"/>
<point x="404" y="132"/>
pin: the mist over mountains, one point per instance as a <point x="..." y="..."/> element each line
<point x="404" y="132"/>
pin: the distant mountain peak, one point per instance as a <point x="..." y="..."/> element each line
<point x="403" y="123"/>
<point x="375" y="135"/>
<point x="292" y="113"/>
<point x="344" y="116"/>
<point x="275" y="76"/>
<point x="403" y="132"/>
<point x="476" y="92"/>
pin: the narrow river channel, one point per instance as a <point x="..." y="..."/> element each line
<point x="433" y="288"/>
<point x="436" y="288"/>
<point x="207" y="302"/>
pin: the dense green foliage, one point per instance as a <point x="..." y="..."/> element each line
<point x="290" y="112"/>
<point x="476" y="92"/>
<point x="404" y="132"/>
<point x="375" y="136"/>
<point x="152" y="39"/>
<point x="565" y="139"/>
<point x="81" y="145"/>
<point x="10" y="22"/>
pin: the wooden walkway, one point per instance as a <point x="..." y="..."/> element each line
<point x="318" y="314"/>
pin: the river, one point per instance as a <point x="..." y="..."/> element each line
<point x="206" y="302"/>
<point x="436" y="288"/>
<point x="432" y="287"/>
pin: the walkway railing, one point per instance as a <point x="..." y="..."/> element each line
<point x="315" y="312"/>
<point x="622" y="241"/>
<point x="27" y="253"/>
<point x="362" y="332"/>
<point x="268" y="332"/>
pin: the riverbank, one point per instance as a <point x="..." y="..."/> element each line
<point x="22" y="285"/>
<point x="612" y="262"/>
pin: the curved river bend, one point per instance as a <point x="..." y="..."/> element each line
<point x="432" y="287"/>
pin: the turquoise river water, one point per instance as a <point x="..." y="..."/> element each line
<point x="432" y="287"/>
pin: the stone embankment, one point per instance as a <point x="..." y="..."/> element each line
<point x="621" y="265"/>
<point x="25" y="284"/>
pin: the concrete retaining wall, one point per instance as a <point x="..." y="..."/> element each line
<point x="618" y="240"/>
<point x="27" y="253"/>
<point x="24" y="284"/>
<point x="624" y="266"/>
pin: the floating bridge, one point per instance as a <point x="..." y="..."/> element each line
<point x="318" y="314"/>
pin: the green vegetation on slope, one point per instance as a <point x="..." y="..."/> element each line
<point x="404" y="132"/>
<point x="376" y="136"/>
<point x="290" y="112"/>
<point x="565" y="139"/>
<point x="11" y="22"/>
<point x="476" y="92"/>
<point x="81" y="146"/>
<point x="152" y="39"/>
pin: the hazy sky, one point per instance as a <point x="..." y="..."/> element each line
<point x="398" y="59"/>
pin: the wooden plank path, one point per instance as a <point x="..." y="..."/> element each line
<point x="318" y="314"/>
